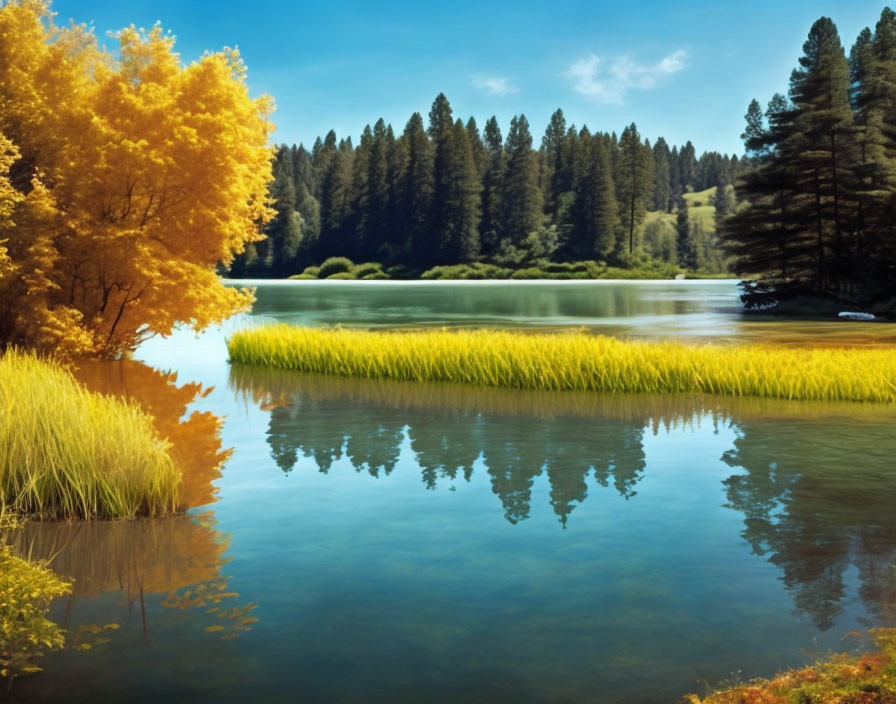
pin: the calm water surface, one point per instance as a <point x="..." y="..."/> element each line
<point x="391" y="542"/>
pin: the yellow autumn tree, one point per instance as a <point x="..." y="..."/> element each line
<point x="126" y="179"/>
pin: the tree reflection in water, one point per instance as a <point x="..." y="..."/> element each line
<point x="819" y="502"/>
<point x="816" y="483"/>
<point x="449" y="429"/>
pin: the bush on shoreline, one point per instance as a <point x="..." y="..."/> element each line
<point x="574" y="362"/>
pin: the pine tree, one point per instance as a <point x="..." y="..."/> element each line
<point x="374" y="192"/>
<point x="335" y="207"/>
<point x="687" y="253"/>
<point x="594" y="211"/>
<point x="819" y="149"/>
<point x="662" y="186"/>
<point x="634" y="182"/>
<point x="456" y="191"/>
<point x="554" y="148"/>
<point x="873" y="95"/>
<point x="687" y="167"/>
<point x="521" y="199"/>
<point x="396" y="235"/>
<point x="492" y="186"/>
<point x="480" y="154"/>
<point x="459" y="219"/>
<point x="416" y="194"/>
<point x="676" y="189"/>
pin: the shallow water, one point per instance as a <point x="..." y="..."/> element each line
<point x="424" y="542"/>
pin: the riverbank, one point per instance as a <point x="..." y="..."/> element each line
<point x="574" y="362"/>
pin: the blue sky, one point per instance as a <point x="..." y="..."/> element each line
<point x="684" y="70"/>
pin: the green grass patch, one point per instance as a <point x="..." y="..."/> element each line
<point x="574" y="362"/>
<point x="68" y="453"/>
<point x="700" y="209"/>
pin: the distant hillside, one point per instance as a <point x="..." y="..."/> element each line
<point x="659" y="234"/>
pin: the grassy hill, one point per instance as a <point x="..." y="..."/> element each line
<point x="700" y="209"/>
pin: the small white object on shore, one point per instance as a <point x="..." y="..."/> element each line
<point x="848" y="315"/>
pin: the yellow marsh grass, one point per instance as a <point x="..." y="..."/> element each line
<point x="575" y="362"/>
<point x="67" y="453"/>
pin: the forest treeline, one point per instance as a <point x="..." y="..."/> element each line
<point x="818" y="199"/>
<point x="446" y="192"/>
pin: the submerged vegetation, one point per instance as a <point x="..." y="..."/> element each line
<point x="574" y="362"/>
<point x="842" y="679"/>
<point x="68" y="453"/>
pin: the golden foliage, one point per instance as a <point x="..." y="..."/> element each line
<point x="124" y="181"/>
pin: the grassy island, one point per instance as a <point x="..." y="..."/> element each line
<point x="574" y="362"/>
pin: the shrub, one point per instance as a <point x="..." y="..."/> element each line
<point x="311" y="271"/>
<point x="530" y="273"/>
<point x="302" y="277"/>
<point x="375" y="276"/>
<point x="334" y="265"/>
<point x="362" y="270"/>
<point x="68" y="453"/>
<point x="345" y="275"/>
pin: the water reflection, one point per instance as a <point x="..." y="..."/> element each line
<point x="195" y="439"/>
<point x="814" y="482"/>
<point x="820" y="505"/>
<point x="452" y="427"/>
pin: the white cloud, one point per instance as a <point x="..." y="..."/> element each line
<point x="610" y="83"/>
<point x="495" y="85"/>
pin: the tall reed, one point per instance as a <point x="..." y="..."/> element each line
<point x="68" y="453"/>
<point x="575" y="362"/>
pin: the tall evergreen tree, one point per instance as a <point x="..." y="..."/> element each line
<point x="416" y="194"/>
<point x="492" y="187"/>
<point x="556" y="158"/>
<point x="634" y="183"/>
<point x="662" y="185"/>
<point x="687" y="252"/>
<point x="820" y="148"/>
<point x="521" y="198"/>
<point x="687" y="166"/>
<point x="594" y="212"/>
<point x="456" y="190"/>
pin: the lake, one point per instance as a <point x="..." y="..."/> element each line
<point x="373" y="541"/>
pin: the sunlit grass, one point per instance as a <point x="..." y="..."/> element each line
<point x="68" y="453"/>
<point x="574" y="362"/>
